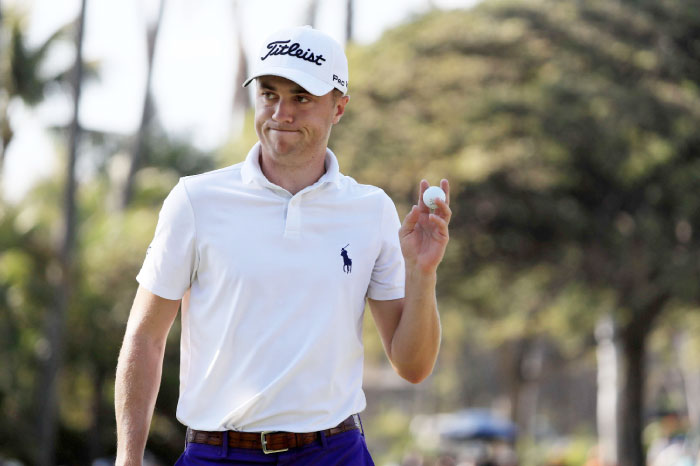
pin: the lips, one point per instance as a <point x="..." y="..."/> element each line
<point x="282" y="129"/>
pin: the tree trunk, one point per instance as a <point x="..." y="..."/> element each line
<point x="632" y="351"/>
<point x="55" y="331"/>
<point x="5" y="129"/>
<point x="311" y="10"/>
<point x="607" y="397"/>
<point x="515" y="382"/>
<point x="4" y="126"/>
<point x="527" y="373"/>
<point x="146" y="113"/>
<point x="349" y="19"/>
<point x="241" y="99"/>
<point x="631" y="405"/>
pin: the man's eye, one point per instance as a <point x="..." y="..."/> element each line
<point x="268" y="95"/>
<point x="302" y="99"/>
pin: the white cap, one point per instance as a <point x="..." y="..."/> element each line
<point x="305" y="55"/>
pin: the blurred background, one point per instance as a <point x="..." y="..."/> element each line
<point x="569" y="131"/>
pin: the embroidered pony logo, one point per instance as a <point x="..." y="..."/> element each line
<point x="347" y="262"/>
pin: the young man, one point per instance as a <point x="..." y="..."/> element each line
<point x="272" y="260"/>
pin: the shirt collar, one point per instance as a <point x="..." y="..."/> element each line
<point x="251" y="171"/>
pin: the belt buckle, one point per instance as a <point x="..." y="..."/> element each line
<point x="263" y="441"/>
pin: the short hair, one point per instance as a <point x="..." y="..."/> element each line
<point x="337" y="95"/>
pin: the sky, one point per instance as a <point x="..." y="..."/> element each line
<point x="193" y="72"/>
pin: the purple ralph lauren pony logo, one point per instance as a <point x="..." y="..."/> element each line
<point x="347" y="262"/>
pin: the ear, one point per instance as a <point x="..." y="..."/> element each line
<point x="339" y="106"/>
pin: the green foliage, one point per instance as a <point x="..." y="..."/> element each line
<point x="567" y="131"/>
<point x="26" y="79"/>
<point x="23" y="69"/>
<point x="169" y="153"/>
<point x="391" y="437"/>
<point x="574" y="452"/>
<point x="26" y="268"/>
<point x="112" y="245"/>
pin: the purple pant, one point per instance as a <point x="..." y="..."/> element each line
<point x="346" y="449"/>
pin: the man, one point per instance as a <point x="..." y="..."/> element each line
<point x="272" y="260"/>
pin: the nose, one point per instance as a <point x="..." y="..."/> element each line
<point x="283" y="111"/>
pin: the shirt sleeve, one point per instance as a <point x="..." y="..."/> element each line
<point x="389" y="272"/>
<point x="171" y="259"/>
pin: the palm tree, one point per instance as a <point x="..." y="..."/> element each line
<point x="19" y="71"/>
<point x="137" y="154"/>
<point x="311" y="13"/>
<point x="55" y="322"/>
<point x="3" y="95"/>
<point x="349" y="19"/>
<point x="241" y="99"/>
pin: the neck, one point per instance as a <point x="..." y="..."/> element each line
<point x="293" y="177"/>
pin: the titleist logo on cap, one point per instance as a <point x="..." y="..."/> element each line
<point x="281" y="47"/>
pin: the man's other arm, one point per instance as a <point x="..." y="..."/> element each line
<point x="410" y="327"/>
<point x="139" y="372"/>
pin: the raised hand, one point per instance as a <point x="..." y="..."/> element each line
<point x="424" y="235"/>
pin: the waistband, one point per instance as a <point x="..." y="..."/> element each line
<point x="270" y="441"/>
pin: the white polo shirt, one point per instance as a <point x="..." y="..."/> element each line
<point x="272" y="312"/>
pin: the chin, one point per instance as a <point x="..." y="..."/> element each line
<point x="281" y="148"/>
<point x="284" y="144"/>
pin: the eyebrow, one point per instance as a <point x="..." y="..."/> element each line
<point x="294" y="90"/>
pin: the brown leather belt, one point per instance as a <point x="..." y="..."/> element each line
<point x="270" y="441"/>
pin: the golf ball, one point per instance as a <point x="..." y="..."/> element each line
<point x="432" y="193"/>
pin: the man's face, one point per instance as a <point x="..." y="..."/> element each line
<point x="289" y="121"/>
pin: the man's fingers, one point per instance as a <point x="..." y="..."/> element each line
<point x="410" y="221"/>
<point x="423" y="186"/>
<point x="443" y="210"/>
<point x="445" y="185"/>
<point x="440" y="227"/>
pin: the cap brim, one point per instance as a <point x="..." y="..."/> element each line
<point x="308" y="82"/>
